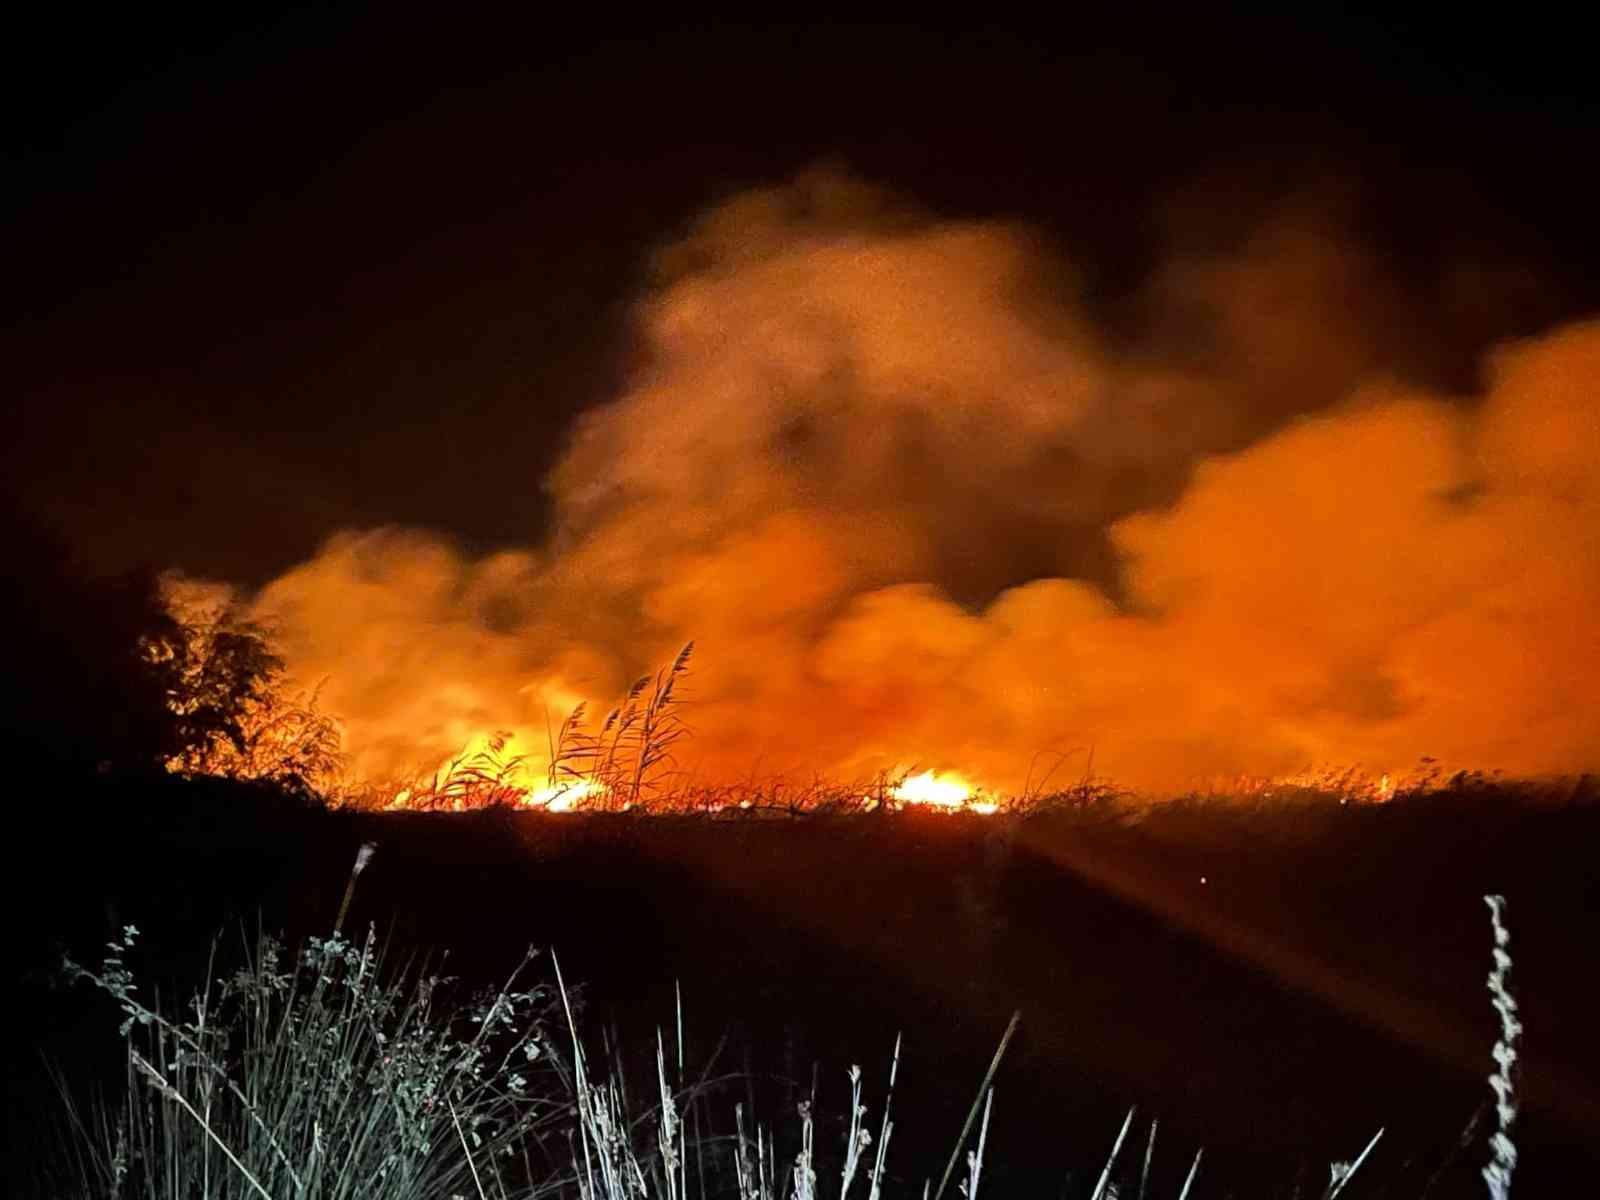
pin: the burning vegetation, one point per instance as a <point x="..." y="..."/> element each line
<point x="934" y="525"/>
<point x="629" y="764"/>
<point x="225" y="691"/>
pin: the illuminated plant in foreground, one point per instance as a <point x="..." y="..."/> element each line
<point x="340" y="1078"/>
<point x="1497" y="1174"/>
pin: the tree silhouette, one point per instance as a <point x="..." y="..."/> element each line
<point x="77" y="692"/>
<point x="212" y="673"/>
<point x="233" y="714"/>
<point x="102" y="676"/>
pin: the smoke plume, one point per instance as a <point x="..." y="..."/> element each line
<point x="917" y="506"/>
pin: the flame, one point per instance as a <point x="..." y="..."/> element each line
<point x="1229" y="554"/>
<point x="564" y="798"/>
<point x="928" y="788"/>
<point x="949" y="792"/>
<point x="1350" y="785"/>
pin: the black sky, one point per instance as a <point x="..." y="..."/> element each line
<point x="272" y="276"/>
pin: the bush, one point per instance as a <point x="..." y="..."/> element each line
<point x="338" y="1078"/>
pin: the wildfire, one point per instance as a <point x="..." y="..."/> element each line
<point x="802" y="471"/>
<point x="949" y="792"/>
<point x="564" y="798"/>
<point x="463" y="783"/>
<point x="1352" y="784"/>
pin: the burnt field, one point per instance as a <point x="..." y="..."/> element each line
<point x="1272" y="981"/>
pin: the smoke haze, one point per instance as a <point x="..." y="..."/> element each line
<point x="918" y="504"/>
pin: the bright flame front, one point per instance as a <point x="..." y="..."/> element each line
<point x="564" y="798"/>
<point x="950" y="792"/>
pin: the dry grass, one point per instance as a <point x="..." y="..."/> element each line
<point x="337" y="1077"/>
<point x="630" y="760"/>
<point x="342" y="1077"/>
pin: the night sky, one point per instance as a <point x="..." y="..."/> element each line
<point x="275" y="276"/>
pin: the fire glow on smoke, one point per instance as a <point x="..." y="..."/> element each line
<point x="916" y="505"/>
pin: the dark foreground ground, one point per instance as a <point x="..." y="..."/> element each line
<point x="1274" y="982"/>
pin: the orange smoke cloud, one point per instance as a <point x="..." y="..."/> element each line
<point x="903" y="493"/>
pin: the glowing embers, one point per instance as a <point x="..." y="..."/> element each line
<point x="1350" y="785"/>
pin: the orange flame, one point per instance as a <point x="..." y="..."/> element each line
<point x="950" y="792"/>
<point x="563" y="798"/>
<point x="1176" y="569"/>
